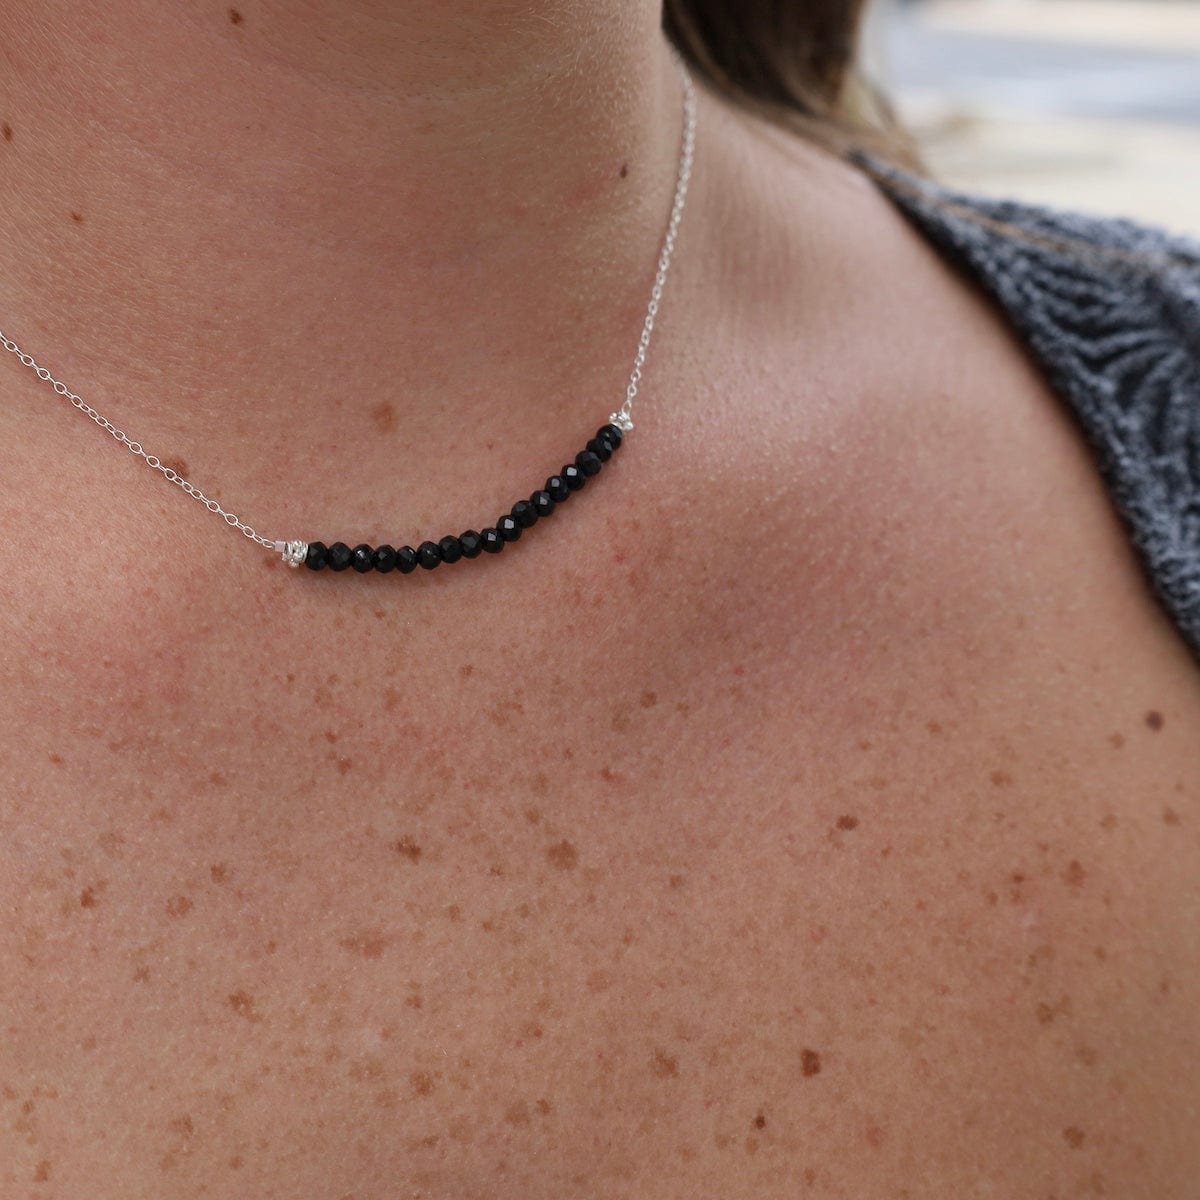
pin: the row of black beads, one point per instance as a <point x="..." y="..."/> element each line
<point x="471" y="544"/>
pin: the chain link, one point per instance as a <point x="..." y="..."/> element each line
<point x="622" y="414"/>
<point x="668" y="246"/>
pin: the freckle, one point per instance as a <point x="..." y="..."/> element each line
<point x="810" y="1176"/>
<point x="599" y="981"/>
<point x="760" y="1121"/>
<point x="41" y="1172"/>
<point x="56" y="759"/>
<point x="1164" y="986"/>
<point x="675" y="881"/>
<point x="933" y="726"/>
<point x="384" y="416"/>
<point x="407" y="848"/>
<point x="1154" y="719"/>
<point x="235" y="17"/>
<point x="1045" y="1013"/>
<point x="1170" y="816"/>
<point x="624" y="170"/>
<point x="1074" y="875"/>
<point x="330" y="735"/>
<point x="141" y="975"/>
<point x="6" y="130"/>
<point x="992" y="898"/>
<point x="1116" y="740"/>
<point x="517" y="1113"/>
<point x="810" y="1063"/>
<point x="77" y="217"/>
<point x="621" y="721"/>
<point x="607" y="774"/>
<point x="1086" y="1055"/>
<point x="454" y="912"/>
<point x="421" y="1082"/>
<point x="179" y="906"/>
<point x="751" y="1145"/>
<point x="243" y="1004"/>
<point x="683" y="708"/>
<point x="343" y="764"/>
<point x="1000" y="778"/>
<point x="1074" y="1137"/>
<point x="665" y="1065"/>
<point x="543" y="1106"/>
<point x="219" y="872"/>
<point x="532" y="816"/>
<point x="1100" y="953"/>
<point x="874" y="1136"/>
<point x="369" y="945"/>
<point x="1108" y="821"/>
<point x="182" y="1126"/>
<point x="217" y="779"/>
<point x="649" y="699"/>
<point x="563" y="855"/>
<point x="87" y="898"/>
<point x="847" y="822"/>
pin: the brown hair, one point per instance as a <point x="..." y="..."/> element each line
<point x="797" y="63"/>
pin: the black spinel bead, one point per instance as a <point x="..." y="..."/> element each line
<point x="508" y="528"/>
<point x="406" y="560"/>
<point x="543" y="503"/>
<point x="588" y="462"/>
<point x="362" y="557"/>
<point x="385" y="559"/>
<point x="601" y="447"/>
<point x="429" y="555"/>
<point x="471" y="543"/>
<point x="451" y="548"/>
<point x="574" y="477"/>
<point x="556" y="485"/>
<point x="493" y="543"/>
<point x="524" y="513"/>
<point x="614" y="433"/>
<point x="317" y="556"/>
<point x="339" y="556"/>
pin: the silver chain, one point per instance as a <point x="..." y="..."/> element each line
<point x="621" y="417"/>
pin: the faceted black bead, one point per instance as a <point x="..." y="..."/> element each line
<point x="601" y="447"/>
<point x="543" y="503"/>
<point x="556" y="485"/>
<point x="317" y="556"/>
<point x="451" y="548"/>
<point x="362" y="557"/>
<point x="385" y="559"/>
<point x="339" y="556"/>
<point x="524" y="513"/>
<point x="406" y="559"/>
<point x="508" y="528"/>
<point x="614" y="433"/>
<point x="588" y="462"/>
<point x="574" y="477"/>
<point x="493" y="543"/>
<point x="471" y="543"/>
<point x="429" y="555"/>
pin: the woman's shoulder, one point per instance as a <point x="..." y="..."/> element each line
<point x="1109" y="307"/>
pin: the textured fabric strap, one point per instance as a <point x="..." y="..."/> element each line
<point x="1118" y="340"/>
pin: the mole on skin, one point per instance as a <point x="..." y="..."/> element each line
<point x="1154" y="720"/>
<point x="6" y="129"/>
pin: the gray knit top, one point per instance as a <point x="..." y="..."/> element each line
<point x="1118" y="340"/>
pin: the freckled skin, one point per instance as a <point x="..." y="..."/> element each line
<point x="810" y="1063"/>
<point x="6" y="131"/>
<point x="235" y="17"/>
<point x="847" y="822"/>
<point x="1154" y="720"/>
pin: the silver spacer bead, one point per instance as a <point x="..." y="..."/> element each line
<point x="293" y="553"/>
<point x="621" y="420"/>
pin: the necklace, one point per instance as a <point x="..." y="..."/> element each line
<point x="524" y="513"/>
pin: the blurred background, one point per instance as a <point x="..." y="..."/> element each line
<point x="1092" y="104"/>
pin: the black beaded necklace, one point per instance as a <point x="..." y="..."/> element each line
<point x="570" y="478"/>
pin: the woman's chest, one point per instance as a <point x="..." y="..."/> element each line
<point x="703" y="906"/>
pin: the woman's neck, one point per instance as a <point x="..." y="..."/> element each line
<point x="259" y="212"/>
